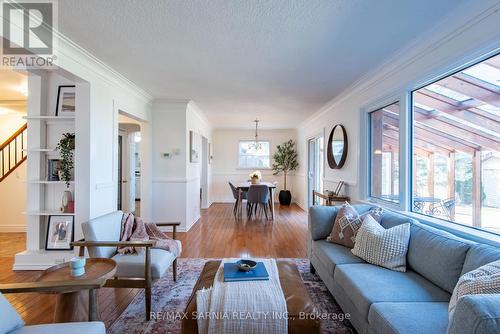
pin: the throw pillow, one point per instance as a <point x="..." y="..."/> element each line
<point x="483" y="280"/>
<point x="347" y="223"/>
<point x="10" y="319"/>
<point x="383" y="247"/>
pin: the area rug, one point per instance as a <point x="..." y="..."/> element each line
<point x="171" y="298"/>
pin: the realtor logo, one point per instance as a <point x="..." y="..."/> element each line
<point x="27" y="34"/>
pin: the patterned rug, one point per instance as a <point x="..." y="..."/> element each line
<point x="169" y="297"/>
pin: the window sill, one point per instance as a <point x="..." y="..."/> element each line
<point x="462" y="231"/>
<point x="253" y="168"/>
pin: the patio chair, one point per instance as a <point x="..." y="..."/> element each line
<point x="138" y="270"/>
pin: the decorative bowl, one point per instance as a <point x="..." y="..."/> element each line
<point x="246" y="265"/>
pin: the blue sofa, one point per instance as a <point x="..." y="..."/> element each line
<point x="416" y="301"/>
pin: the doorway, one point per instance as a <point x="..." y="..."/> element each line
<point x="204" y="173"/>
<point x="315" y="165"/>
<point x="129" y="165"/>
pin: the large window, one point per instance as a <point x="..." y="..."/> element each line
<point x="384" y="153"/>
<point x="250" y="157"/>
<point x="456" y="147"/>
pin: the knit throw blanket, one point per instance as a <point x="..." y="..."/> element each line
<point x="243" y="307"/>
<point x="134" y="229"/>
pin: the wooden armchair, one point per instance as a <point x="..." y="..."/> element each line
<point x="12" y="322"/>
<point x="140" y="270"/>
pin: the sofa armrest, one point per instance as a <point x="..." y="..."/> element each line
<point x="321" y="220"/>
<point x="476" y="314"/>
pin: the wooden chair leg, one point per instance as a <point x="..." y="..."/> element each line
<point x="174" y="270"/>
<point x="148" y="303"/>
<point x="235" y="208"/>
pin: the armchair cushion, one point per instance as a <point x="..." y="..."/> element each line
<point x="104" y="228"/>
<point x="132" y="265"/>
<point x="10" y="319"/>
<point x="94" y="327"/>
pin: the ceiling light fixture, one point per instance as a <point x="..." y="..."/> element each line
<point x="256" y="145"/>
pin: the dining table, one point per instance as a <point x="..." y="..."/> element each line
<point x="244" y="186"/>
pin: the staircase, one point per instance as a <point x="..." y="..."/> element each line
<point x="12" y="152"/>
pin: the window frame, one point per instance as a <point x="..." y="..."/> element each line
<point x="254" y="167"/>
<point x="404" y="95"/>
<point x="369" y="147"/>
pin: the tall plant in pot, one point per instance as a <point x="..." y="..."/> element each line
<point x="66" y="148"/>
<point x="285" y="161"/>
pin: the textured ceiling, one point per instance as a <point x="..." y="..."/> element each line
<point x="276" y="60"/>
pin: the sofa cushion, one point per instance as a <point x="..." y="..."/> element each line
<point x="10" y="319"/>
<point x="132" y="265"/>
<point x="391" y="219"/>
<point x="411" y="318"/>
<point x="479" y="255"/>
<point x="383" y="247"/>
<point x="367" y="284"/>
<point x="321" y="220"/>
<point x="94" y="327"/>
<point x="332" y="254"/>
<point x="347" y="223"/>
<point x="104" y="228"/>
<point x="476" y="314"/>
<point x="437" y="255"/>
<point x="483" y="280"/>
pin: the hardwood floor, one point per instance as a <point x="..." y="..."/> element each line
<point x="216" y="235"/>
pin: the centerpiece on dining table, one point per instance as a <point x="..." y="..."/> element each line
<point x="255" y="177"/>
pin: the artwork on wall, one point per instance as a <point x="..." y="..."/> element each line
<point x="60" y="233"/>
<point x="53" y="169"/>
<point x="65" y="105"/>
<point x="194" y="147"/>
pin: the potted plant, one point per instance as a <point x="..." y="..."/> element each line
<point x="285" y="160"/>
<point x="66" y="148"/>
<point x="255" y="177"/>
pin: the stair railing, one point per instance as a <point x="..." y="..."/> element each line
<point x="12" y="152"/>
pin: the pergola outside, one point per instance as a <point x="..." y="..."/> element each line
<point x="456" y="147"/>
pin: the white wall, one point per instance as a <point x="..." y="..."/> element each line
<point x="466" y="34"/>
<point x="176" y="181"/>
<point x="225" y="162"/>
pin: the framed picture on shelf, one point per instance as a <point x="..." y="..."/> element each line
<point x="53" y="168"/>
<point x="65" y="105"/>
<point x="60" y="233"/>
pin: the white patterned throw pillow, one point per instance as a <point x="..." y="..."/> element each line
<point x="483" y="280"/>
<point x="383" y="247"/>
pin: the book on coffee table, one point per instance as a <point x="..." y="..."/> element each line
<point x="233" y="274"/>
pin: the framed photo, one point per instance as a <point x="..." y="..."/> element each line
<point x="60" y="233"/>
<point x="65" y="101"/>
<point x="194" y="147"/>
<point x="53" y="168"/>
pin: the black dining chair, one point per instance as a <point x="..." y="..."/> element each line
<point x="239" y="195"/>
<point x="257" y="197"/>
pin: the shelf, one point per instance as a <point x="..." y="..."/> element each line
<point x="48" y="150"/>
<point x="48" y="213"/>
<point x="48" y="182"/>
<point x="50" y="118"/>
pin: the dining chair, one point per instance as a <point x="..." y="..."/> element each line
<point x="257" y="197"/>
<point x="239" y="195"/>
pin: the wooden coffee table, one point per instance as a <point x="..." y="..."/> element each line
<point x="79" y="305"/>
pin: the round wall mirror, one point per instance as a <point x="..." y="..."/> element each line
<point x="337" y="147"/>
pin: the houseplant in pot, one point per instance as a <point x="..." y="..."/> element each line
<point x="285" y="161"/>
<point x="66" y="148"/>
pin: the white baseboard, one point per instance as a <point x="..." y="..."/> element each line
<point x="12" y="229"/>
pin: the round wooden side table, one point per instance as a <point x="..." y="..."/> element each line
<point x="79" y="305"/>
